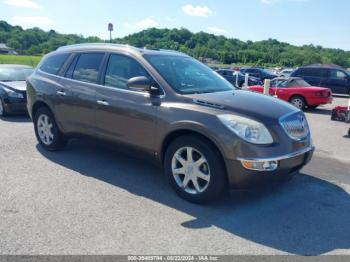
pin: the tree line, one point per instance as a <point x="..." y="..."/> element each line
<point x="224" y="50"/>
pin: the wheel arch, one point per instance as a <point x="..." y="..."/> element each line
<point x="39" y="104"/>
<point x="171" y="136"/>
<point x="298" y="95"/>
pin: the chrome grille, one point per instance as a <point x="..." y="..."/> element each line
<point x="295" y="125"/>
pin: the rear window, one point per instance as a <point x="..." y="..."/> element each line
<point x="298" y="83"/>
<point x="313" y="72"/>
<point x="53" y="64"/>
<point x="122" y="68"/>
<point x="87" y="67"/>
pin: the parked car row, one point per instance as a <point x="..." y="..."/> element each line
<point x="232" y="75"/>
<point x="290" y="89"/>
<point x="335" y="78"/>
<point x="298" y="92"/>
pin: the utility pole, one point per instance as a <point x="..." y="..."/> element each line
<point x="110" y="29"/>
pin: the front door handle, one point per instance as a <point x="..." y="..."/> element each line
<point x="61" y="93"/>
<point x="102" y="102"/>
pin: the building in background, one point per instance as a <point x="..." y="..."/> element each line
<point x="4" y="49"/>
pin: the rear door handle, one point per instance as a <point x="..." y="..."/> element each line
<point x="61" y="93"/>
<point x="102" y="102"/>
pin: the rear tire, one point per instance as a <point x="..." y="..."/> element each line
<point x="47" y="131"/>
<point x="298" y="102"/>
<point x="334" y="115"/>
<point x="200" y="178"/>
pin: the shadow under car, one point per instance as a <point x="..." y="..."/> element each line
<point x="306" y="216"/>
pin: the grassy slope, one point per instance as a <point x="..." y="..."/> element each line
<point x="17" y="59"/>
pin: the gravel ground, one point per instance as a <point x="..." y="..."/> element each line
<point x="90" y="199"/>
<point x="330" y="136"/>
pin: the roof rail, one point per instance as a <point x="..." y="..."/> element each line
<point x="94" y="44"/>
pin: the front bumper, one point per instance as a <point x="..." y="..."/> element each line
<point x="15" y="105"/>
<point x="314" y="101"/>
<point x="288" y="165"/>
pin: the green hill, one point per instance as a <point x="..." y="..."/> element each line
<point x="224" y="50"/>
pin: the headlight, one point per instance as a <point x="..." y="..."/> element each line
<point x="12" y="93"/>
<point x="248" y="129"/>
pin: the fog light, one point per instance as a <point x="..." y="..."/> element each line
<point x="260" y="165"/>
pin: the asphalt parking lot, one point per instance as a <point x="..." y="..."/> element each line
<point x="90" y="199"/>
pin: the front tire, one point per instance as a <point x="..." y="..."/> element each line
<point x="47" y="131"/>
<point x="195" y="169"/>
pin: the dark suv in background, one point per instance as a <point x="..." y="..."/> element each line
<point x="335" y="78"/>
<point x="231" y="76"/>
<point x="205" y="134"/>
<point x="259" y="73"/>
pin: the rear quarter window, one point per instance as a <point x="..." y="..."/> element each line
<point x="54" y="63"/>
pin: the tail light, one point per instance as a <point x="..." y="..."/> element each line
<point x="324" y="93"/>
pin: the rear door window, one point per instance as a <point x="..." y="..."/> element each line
<point x="120" y="69"/>
<point x="319" y="72"/>
<point x="53" y="64"/>
<point x="312" y="72"/>
<point x="87" y="67"/>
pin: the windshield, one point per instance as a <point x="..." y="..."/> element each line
<point x="8" y="74"/>
<point x="188" y="76"/>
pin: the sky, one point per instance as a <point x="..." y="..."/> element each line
<point x="318" y="22"/>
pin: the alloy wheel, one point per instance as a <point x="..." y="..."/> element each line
<point x="190" y="170"/>
<point x="298" y="103"/>
<point x="45" y="126"/>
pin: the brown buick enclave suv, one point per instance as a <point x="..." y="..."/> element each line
<point x="206" y="135"/>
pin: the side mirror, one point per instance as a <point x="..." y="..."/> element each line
<point x="139" y="84"/>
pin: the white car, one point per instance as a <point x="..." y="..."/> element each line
<point x="286" y="72"/>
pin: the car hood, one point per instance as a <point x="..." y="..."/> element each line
<point x="253" y="105"/>
<point x="15" y="85"/>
